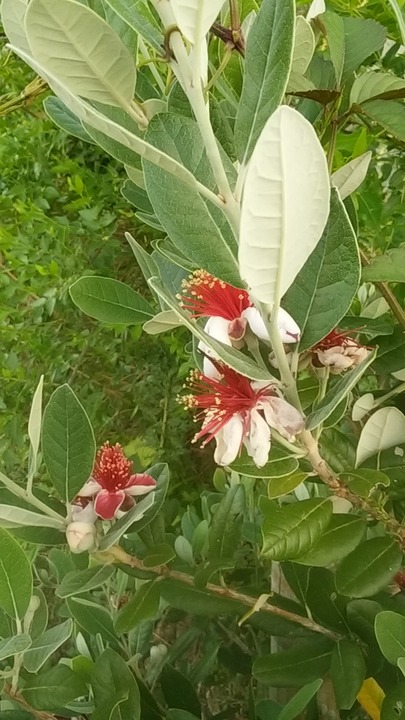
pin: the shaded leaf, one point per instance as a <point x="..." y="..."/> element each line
<point x="92" y="617"/>
<point x="386" y="268"/>
<point x="14" y="645"/>
<point x="53" y="689"/>
<point x="342" y="535"/>
<point x="65" y="119"/>
<point x="369" y="568"/>
<point x="178" y="691"/>
<point x="348" y="671"/>
<point x="112" y="680"/>
<point x="390" y="115"/>
<point x="15" y="577"/>
<point x="78" y="582"/>
<point x="295" y="667"/>
<point x="362" y="39"/>
<point x="142" y="606"/>
<point x="45" y="645"/>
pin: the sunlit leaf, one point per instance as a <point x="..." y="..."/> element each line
<point x="342" y="535"/>
<point x="390" y="115"/>
<point x="376" y="85"/>
<point x="349" y="177"/>
<point x="12" y="19"/>
<point x="386" y="268"/>
<point x="384" y="429"/>
<point x="286" y="197"/>
<point x="110" y="301"/>
<point x="304" y="46"/>
<point x="290" y="531"/>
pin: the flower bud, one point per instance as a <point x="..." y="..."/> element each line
<point x="81" y="536"/>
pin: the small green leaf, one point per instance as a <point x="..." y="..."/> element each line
<point x="267" y="67"/>
<point x="142" y="606"/>
<point x="45" y="645"/>
<point x="160" y="554"/>
<point x="113" y="679"/>
<point x="342" y="535"/>
<point x="401" y="664"/>
<point x="337" y="393"/>
<point x="386" y="268"/>
<point x="15" y="577"/>
<point x="53" y="689"/>
<point x="81" y="581"/>
<point x="110" y="301"/>
<point x="277" y="487"/>
<point x="365" y="481"/>
<point x="34" y="427"/>
<point x="348" y="671"/>
<point x="292" y="530"/>
<point x="299" y="702"/>
<point x="390" y="634"/>
<point x="226" y="528"/>
<point x="279" y="465"/>
<point x="14" y="645"/>
<point x="369" y="568"/>
<point x="139" y="17"/>
<point x="295" y="667"/>
<point x="92" y="617"/>
<point x="68" y="443"/>
<point x="362" y="39"/>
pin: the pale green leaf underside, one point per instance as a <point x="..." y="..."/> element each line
<point x="304" y="46"/>
<point x="285" y="204"/>
<point x="12" y="18"/>
<point x="11" y="517"/>
<point x="349" y="177"/>
<point x="46" y="644"/>
<point x="34" y="425"/>
<point x="384" y="429"/>
<point x="14" y="645"/>
<point x="372" y="85"/>
<point x="162" y="322"/>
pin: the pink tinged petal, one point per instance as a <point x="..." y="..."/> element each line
<point x="256" y="323"/>
<point x="229" y="441"/>
<point x="258" y="441"/>
<point x="140" y="484"/>
<point x="90" y="488"/>
<point x="106" y="504"/>
<point x="283" y="417"/>
<point x="335" y="357"/>
<point x="288" y="328"/>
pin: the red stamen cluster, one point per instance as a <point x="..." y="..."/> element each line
<point x="112" y="469"/>
<point x="207" y="296"/>
<point x="220" y="399"/>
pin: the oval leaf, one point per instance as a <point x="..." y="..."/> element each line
<point x="369" y="568"/>
<point x="390" y="634"/>
<point x="78" y="582"/>
<point x="12" y="19"/>
<point x="45" y="645"/>
<point x="70" y="40"/>
<point x="110" y="301"/>
<point x="294" y="667"/>
<point x="144" y="604"/>
<point x="383" y="430"/>
<point x="342" y="535"/>
<point x="348" y="671"/>
<point x="113" y="679"/>
<point x="14" y="645"/>
<point x="290" y="531"/>
<point x="15" y="577"/>
<point x="286" y="195"/>
<point x="349" y="177"/>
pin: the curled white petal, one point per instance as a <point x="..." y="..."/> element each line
<point x="256" y="323"/>
<point x="283" y="417"/>
<point x="84" y="514"/>
<point x="229" y="440"/>
<point x="217" y="328"/>
<point x="288" y="328"/>
<point x="257" y="443"/>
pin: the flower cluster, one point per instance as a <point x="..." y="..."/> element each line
<point x="339" y="352"/>
<point x="231" y="314"/>
<point x="239" y="412"/>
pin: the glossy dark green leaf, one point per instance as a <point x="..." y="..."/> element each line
<point x="78" y="582"/>
<point x="391" y="350"/>
<point x="53" y="689"/>
<point x="196" y="601"/>
<point x="342" y="535"/>
<point x="292" y="530"/>
<point x="278" y="487"/>
<point x="338" y="450"/>
<point x="68" y="442"/>
<point x="114" y="685"/>
<point x="390" y="634"/>
<point x="386" y="268"/>
<point x="226" y="527"/>
<point x="337" y="393"/>
<point x="142" y="605"/>
<point x="348" y="671"/>
<point x="267" y="67"/>
<point x="93" y="618"/>
<point x="295" y="667"/>
<point x="364" y="481"/>
<point x="324" y="289"/>
<point x="361" y="616"/>
<point x="178" y="691"/>
<point x="369" y="568"/>
<point x="326" y="605"/>
<point x="15" y="577"/>
<point x="197" y="228"/>
<point x="110" y="301"/>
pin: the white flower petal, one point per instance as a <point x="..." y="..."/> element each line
<point x="256" y="323"/>
<point x="288" y="328"/>
<point x="283" y="417"/>
<point x="90" y="488"/>
<point x="257" y="443"/>
<point x="229" y="440"/>
<point x="84" y="514"/>
<point x="217" y="328"/>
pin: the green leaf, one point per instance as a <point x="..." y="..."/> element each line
<point x="162" y="322"/>
<point x="139" y="17"/>
<point x="15" y="577"/>
<point x="160" y="554"/>
<point x="235" y="359"/>
<point x="122" y="525"/>
<point x="348" y="178"/>
<point x="12" y="19"/>
<point x="34" y="428"/>
<point x="299" y="702"/>
<point x="45" y="645"/>
<point x="226" y="527"/>
<point x="178" y="691"/>
<point x="110" y="301"/>
<point x="332" y="270"/>
<point x="176" y="714"/>
<point x="93" y="618"/>
<point x="65" y="119"/>
<point x="369" y="568"/>
<point x="335" y="31"/>
<point x="401" y="665"/>
<point x="277" y="487"/>
<point x="384" y="429"/>
<point x="342" y="535"/>
<point x="68" y="443"/>
<point x="390" y="115"/>
<point x="361" y="615"/>
<point x="112" y="679"/>
<point x="13" y="517"/>
<point x="143" y="605"/>
<point x="393" y="706"/>
<point x="53" y="689"/>
<point x="294" y="667"/>
<point x="376" y="85"/>
<point x="198" y="229"/>
<point x="69" y="39"/>
<point x="279" y="465"/>
<point x="348" y="671"/>
<point x="81" y="581"/>
<point x="362" y="39"/>
<point x="390" y="634"/>
<point x="196" y="601"/>
<point x="292" y="530"/>
<point x="365" y="481"/>
<point x="304" y="46"/>
<point x="386" y="268"/>
<point x="267" y="67"/>
<point x="391" y="349"/>
<point x="14" y="645"/>
<point x="337" y="393"/>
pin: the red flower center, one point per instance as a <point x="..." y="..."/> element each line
<point x="220" y="399"/>
<point x="336" y="339"/>
<point x="207" y="296"/>
<point x="112" y="469"/>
